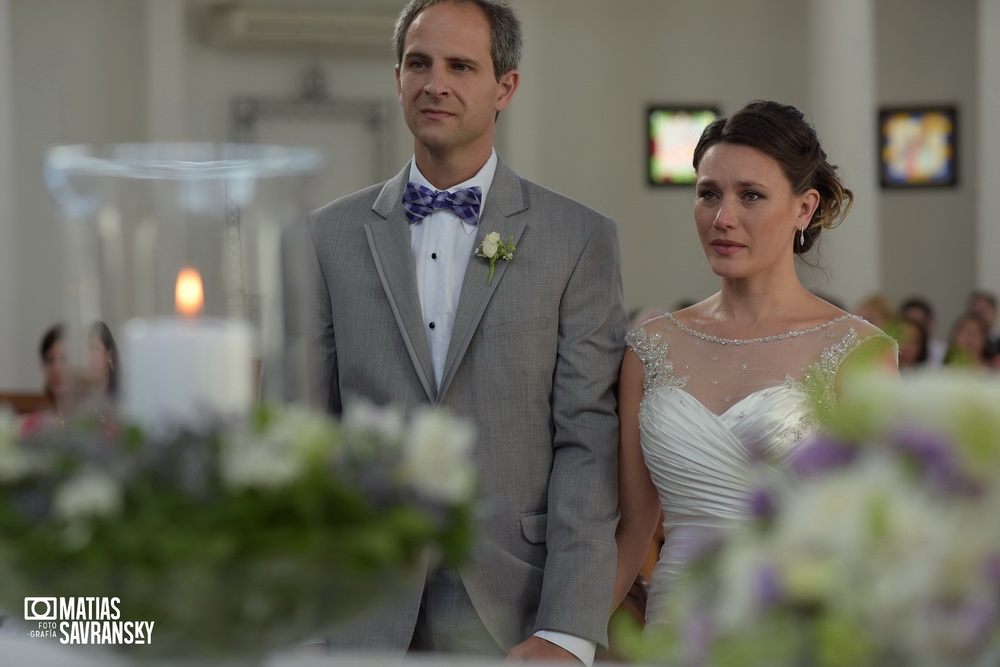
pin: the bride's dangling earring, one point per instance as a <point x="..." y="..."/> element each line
<point x="802" y="237"/>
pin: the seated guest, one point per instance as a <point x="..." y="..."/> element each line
<point x="968" y="343"/>
<point x="104" y="362"/>
<point x="919" y="309"/>
<point x="876" y="309"/>
<point x="913" y="347"/>
<point x="983" y="305"/>
<point x="56" y="378"/>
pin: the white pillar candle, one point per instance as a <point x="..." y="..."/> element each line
<point x="180" y="372"/>
<point x="189" y="371"/>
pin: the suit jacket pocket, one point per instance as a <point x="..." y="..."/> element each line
<point x="533" y="527"/>
<point x="512" y="328"/>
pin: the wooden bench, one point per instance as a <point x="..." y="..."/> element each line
<point x="24" y="402"/>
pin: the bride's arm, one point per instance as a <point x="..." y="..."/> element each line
<point x="638" y="502"/>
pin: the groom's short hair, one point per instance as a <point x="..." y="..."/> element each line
<point x="505" y="31"/>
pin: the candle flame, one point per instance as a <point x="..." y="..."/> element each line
<point x="189" y="295"/>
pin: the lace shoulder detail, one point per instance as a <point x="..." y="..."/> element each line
<point x="652" y="352"/>
<point x="820" y="377"/>
<point x="765" y="339"/>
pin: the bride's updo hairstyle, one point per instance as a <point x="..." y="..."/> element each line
<point x="780" y="131"/>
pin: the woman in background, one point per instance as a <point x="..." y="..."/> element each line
<point x="104" y="362"/>
<point x="968" y="343"/>
<point x="55" y="373"/>
<point x="913" y="344"/>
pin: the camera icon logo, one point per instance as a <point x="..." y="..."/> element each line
<point x="40" y="609"/>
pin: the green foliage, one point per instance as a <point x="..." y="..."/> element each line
<point x="242" y="539"/>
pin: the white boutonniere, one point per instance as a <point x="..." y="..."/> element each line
<point x="492" y="248"/>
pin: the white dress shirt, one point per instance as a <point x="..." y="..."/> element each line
<point x="442" y="246"/>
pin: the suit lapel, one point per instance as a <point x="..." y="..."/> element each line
<point x="389" y="242"/>
<point x="507" y="197"/>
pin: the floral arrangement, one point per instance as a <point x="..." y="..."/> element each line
<point x="881" y="548"/>
<point x="239" y="540"/>
<point x="493" y="249"/>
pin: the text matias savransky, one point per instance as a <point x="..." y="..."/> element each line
<point x="85" y="620"/>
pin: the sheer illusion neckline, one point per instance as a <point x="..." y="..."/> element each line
<point x="750" y="341"/>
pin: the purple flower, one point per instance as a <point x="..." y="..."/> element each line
<point x="929" y="450"/>
<point x="821" y="454"/>
<point x="763" y="504"/>
<point x="973" y="622"/>
<point x="767" y="587"/>
<point x="934" y="458"/>
<point x="698" y="638"/>
<point x="991" y="569"/>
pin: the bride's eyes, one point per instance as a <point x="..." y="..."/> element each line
<point x="712" y="195"/>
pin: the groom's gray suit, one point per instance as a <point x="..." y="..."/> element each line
<point x="533" y="360"/>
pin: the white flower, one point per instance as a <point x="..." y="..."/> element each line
<point x="14" y="464"/>
<point x="437" y="458"/>
<point x="490" y="245"/>
<point x="363" y="416"/>
<point x="492" y="248"/>
<point x="279" y="454"/>
<point x="254" y="460"/>
<point x="90" y="493"/>
<point x="310" y="435"/>
<point x="8" y="426"/>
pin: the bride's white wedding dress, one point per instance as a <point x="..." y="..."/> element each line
<point x="711" y="405"/>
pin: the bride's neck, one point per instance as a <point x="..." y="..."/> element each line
<point x="741" y="303"/>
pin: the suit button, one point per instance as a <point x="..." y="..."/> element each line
<point x="431" y="325"/>
<point x="434" y="255"/>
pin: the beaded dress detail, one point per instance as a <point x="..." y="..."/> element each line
<point x="711" y="405"/>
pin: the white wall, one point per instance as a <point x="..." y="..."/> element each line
<point x="76" y="78"/>
<point x="987" y="166"/>
<point x="577" y="125"/>
<point x="929" y="234"/>
<point x="592" y="68"/>
<point x="10" y="301"/>
<point x="217" y="75"/>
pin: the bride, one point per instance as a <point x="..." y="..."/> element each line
<point x="708" y="388"/>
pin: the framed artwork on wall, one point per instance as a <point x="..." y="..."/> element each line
<point x="918" y="147"/>
<point x="673" y="132"/>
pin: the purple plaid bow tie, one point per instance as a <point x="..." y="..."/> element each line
<point x="418" y="202"/>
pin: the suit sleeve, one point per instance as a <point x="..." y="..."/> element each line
<point x="321" y="340"/>
<point x="583" y="489"/>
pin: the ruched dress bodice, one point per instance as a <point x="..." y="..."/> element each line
<point x="711" y="406"/>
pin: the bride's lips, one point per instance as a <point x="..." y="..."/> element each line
<point x="724" y="247"/>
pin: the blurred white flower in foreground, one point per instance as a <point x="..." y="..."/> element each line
<point x="437" y="456"/>
<point x="89" y="493"/>
<point x="14" y="464"/>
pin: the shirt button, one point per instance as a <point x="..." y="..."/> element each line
<point x="434" y="255"/>
<point x="431" y="325"/>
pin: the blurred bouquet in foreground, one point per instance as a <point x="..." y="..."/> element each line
<point x="882" y="549"/>
<point x="239" y="541"/>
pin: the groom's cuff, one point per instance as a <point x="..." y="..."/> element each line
<point x="584" y="649"/>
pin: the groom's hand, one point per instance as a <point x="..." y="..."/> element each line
<point x="537" y="649"/>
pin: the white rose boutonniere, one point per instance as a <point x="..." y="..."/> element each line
<point x="492" y="248"/>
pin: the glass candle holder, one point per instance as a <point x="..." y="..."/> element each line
<point x="177" y="249"/>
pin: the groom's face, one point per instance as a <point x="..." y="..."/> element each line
<point x="446" y="82"/>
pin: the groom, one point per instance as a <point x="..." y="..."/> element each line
<point x="528" y="348"/>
